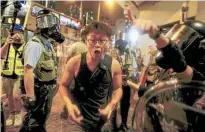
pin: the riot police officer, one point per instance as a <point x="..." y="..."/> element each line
<point x="182" y="51"/>
<point x="40" y="72"/>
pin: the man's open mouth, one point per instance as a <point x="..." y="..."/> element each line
<point x="97" y="51"/>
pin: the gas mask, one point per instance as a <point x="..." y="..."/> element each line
<point x="49" y="25"/>
<point x="17" y="40"/>
<point x="17" y="45"/>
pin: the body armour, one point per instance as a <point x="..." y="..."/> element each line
<point x="15" y="65"/>
<point x="92" y="90"/>
<point x="45" y="69"/>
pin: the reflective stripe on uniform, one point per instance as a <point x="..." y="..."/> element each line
<point x="19" y="67"/>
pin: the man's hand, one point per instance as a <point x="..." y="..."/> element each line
<point x="74" y="113"/>
<point x="9" y="40"/>
<point x="106" y="112"/>
<point x="146" y="26"/>
<point x="18" y="38"/>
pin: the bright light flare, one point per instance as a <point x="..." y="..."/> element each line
<point x="109" y="1"/>
<point x="133" y="35"/>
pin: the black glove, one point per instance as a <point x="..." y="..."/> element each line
<point x="173" y="57"/>
<point x="162" y="62"/>
<point x="124" y="79"/>
<point x="141" y="91"/>
<point x="29" y="103"/>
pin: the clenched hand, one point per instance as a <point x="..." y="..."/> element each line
<point x="74" y="113"/>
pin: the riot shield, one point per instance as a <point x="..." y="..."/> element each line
<point x="172" y="106"/>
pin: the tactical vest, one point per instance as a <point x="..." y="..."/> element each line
<point x="45" y="69"/>
<point x="15" y="65"/>
<point x="92" y="90"/>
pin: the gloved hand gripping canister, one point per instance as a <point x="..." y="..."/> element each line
<point x="172" y="57"/>
<point x="29" y="103"/>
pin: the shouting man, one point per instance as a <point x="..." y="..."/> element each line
<point x="96" y="75"/>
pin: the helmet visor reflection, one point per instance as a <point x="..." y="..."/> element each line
<point x="47" y="21"/>
<point x="182" y="35"/>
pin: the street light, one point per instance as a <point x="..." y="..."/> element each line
<point x="110" y="2"/>
<point x="98" y="17"/>
<point x="99" y="6"/>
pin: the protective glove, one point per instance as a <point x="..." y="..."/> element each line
<point x="173" y="58"/>
<point x="162" y="62"/>
<point x="29" y="103"/>
<point x="141" y="91"/>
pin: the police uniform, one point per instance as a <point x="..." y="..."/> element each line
<point x="187" y="50"/>
<point x="44" y="84"/>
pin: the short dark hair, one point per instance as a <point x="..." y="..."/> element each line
<point x="99" y="26"/>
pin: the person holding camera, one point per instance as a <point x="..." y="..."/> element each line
<point x="11" y="70"/>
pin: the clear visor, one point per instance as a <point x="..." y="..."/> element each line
<point x="47" y="21"/>
<point x="182" y="35"/>
<point x="169" y="104"/>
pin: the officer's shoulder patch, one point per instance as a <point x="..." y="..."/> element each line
<point x="35" y="40"/>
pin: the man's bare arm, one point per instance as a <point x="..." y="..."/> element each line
<point x="4" y="49"/>
<point x="73" y="110"/>
<point x="117" y="84"/>
<point x="162" y="41"/>
<point x="133" y="85"/>
<point x="29" y="81"/>
<point x="66" y="80"/>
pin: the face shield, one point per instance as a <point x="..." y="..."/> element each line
<point x="183" y="35"/>
<point x="50" y="25"/>
<point x="47" y="21"/>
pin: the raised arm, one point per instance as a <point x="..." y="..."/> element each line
<point x="117" y="83"/>
<point x="66" y="80"/>
<point x="172" y="55"/>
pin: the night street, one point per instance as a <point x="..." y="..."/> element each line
<point x="56" y="124"/>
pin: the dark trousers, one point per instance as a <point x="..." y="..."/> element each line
<point x="70" y="126"/>
<point x="124" y="108"/>
<point x="2" y="119"/>
<point x="35" y="119"/>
